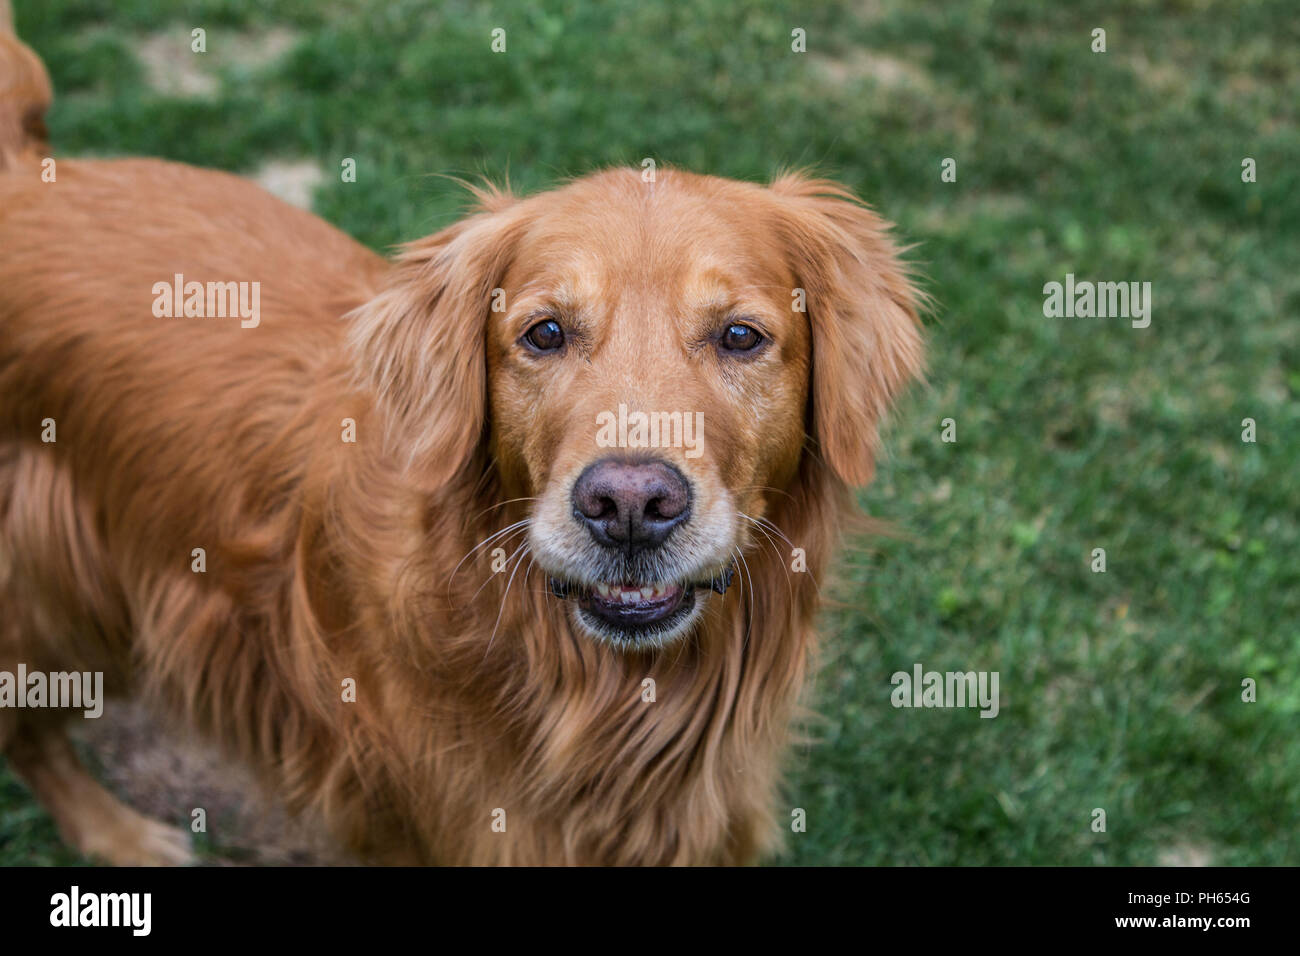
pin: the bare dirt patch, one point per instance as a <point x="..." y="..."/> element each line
<point x="167" y="776"/>
<point x="174" y="69"/>
<point x="1184" y="854"/>
<point x="293" y="181"/>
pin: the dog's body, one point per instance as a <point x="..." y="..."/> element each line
<point x="343" y="629"/>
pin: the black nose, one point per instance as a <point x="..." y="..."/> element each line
<point x="631" y="505"/>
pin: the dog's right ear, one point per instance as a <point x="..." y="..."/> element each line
<point x="864" y="315"/>
<point x="419" y="346"/>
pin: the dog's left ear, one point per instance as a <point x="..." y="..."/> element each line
<point x="863" y="311"/>
<point x="419" y="345"/>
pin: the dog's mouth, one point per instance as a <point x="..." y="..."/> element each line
<point x="632" y="611"/>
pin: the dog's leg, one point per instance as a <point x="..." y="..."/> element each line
<point x="53" y="594"/>
<point x="90" y="819"/>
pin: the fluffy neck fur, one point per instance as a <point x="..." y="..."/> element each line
<point x="475" y="695"/>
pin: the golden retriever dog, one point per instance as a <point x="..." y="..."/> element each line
<point x="505" y="551"/>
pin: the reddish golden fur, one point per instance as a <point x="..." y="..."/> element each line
<point x="24" y="97"/>
<point x="328" y="560"/>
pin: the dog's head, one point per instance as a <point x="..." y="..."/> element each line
<point x="646" y="364"/>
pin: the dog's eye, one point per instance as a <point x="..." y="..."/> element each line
<point x="545" y="336"/>
<point x="741" y="338"/>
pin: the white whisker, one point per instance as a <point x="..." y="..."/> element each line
<point x="486" y="541"/>
<point x="504" y="597"/>
<point x="780" y="558"/>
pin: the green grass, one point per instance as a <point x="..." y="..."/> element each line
<point x="1120" y="690"/>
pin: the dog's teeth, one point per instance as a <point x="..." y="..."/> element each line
<point x="631" y="594"/>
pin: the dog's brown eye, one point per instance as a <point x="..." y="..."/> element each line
<point x="740" y="338"/>
<point x="545" y="336"/>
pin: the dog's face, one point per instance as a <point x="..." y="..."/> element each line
<point x="654" y="357"/>
<point x="648" y="382"/>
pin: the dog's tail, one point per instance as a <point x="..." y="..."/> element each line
<point x="25" y="95"/>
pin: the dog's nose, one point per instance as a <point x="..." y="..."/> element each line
<point x="631" y="504"/>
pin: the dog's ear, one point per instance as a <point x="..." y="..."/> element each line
<point x="862" y="309"/>
<point x="419" y="345"/>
